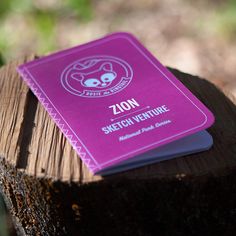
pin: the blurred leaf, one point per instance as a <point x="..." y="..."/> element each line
<point x="4" y="43"/>
<point x="220" y="20"/>
<point x="5" y="6"/>
<point x="82" y="8"/>
<point x="45" y="25"/>
<point x="1" y="60"/>
<point x="21" y="6"/>
<point x="226" y="19"/>
<point x="44" y="22"/>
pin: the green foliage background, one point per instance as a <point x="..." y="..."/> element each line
<point x="41" y="19"/>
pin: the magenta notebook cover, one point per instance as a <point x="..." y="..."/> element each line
<point x="113" y="100"/>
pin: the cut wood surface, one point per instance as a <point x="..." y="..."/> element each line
<point x="49" y="191"/>
<point x="32" y="142"/>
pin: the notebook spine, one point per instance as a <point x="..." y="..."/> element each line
<point x="66" y="130"/>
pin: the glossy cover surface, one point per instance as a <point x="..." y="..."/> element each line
<point x="113" y="100"/>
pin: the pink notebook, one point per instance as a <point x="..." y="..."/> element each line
<point x="117" y="105"/>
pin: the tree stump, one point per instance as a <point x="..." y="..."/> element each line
<point x="49" y="191"/>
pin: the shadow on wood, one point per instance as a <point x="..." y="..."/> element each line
<point x="26" y="130"/>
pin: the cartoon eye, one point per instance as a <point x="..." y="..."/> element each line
<point x="108" y="77"/>
<point x="91" y="83"/>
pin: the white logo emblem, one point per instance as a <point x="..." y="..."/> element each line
<point x="96" y="76"/>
